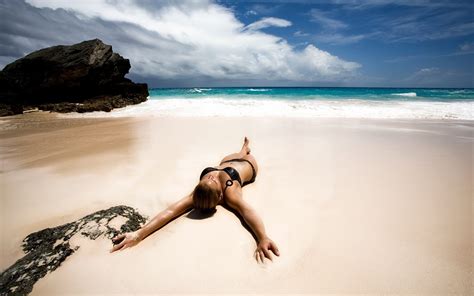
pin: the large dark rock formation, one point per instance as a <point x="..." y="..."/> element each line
<point x="83" y="77"/>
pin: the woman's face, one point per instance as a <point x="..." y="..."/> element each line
<point x="211" y="179"/>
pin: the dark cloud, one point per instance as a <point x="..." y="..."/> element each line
<point x="25" y="28"/>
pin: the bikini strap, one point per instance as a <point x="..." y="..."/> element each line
<point x="228" y="183"/>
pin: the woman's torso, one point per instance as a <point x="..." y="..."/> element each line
<point x="244" y="169"/>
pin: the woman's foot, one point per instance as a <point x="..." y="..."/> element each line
<point x="245" y="147"/>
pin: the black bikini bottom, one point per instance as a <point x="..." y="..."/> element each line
<point x="254" y="173"/>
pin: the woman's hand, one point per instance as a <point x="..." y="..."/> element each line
<point x="127" y="240"/>
<point x="263" y="250"/>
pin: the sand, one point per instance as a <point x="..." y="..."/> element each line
<point x="356" y="206"/>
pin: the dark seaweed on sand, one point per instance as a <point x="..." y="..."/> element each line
<point x="45" y="250"/>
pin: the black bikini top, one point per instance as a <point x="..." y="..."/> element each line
<point x="233" y="174"/>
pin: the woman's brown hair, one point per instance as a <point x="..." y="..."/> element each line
<point x="205" y="197"/>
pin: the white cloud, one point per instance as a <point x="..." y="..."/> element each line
<point x="265" y="9"/>
<point x="330" y="28"/>
<point x="468" y="46"/>
<point x="427" y="71"/>
<point x="363" y="4"/>
<point x="268" y="22"/>
<point x="251" y="12"/>
<point x="437" y="77"/>
<point x="327" y="65"/>
<point x="179" y="39"/>
<point x="426" y="76"/>
<point x="417" y="20"/>
<point x="340" y="39"/>
<point x="300" y="34"/>
<point x="327" y="22"/>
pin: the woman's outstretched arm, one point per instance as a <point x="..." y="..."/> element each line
<point x="132" y="238"/>
<point x="264" y="243"/>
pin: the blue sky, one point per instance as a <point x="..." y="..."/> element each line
<point x="397" y="43"/>
<point x="178" y="43"/>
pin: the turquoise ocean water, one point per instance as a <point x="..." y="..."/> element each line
<point x="337" y="93"/>
<point x="399" y="103"/>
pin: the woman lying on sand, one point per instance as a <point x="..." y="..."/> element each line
<point x="220" y="185"/>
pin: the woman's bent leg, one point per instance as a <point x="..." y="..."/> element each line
<point x="245" y="150"/>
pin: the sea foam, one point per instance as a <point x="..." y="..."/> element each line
<point x="349" y="108"/>
<point x="408" y="94"/>
<point x="258" y="89"/>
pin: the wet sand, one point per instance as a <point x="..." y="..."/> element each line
<point x="355" y="206"/>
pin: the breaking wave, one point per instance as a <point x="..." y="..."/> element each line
<point x="349" y="108"/>
<point x="408" y="94"/>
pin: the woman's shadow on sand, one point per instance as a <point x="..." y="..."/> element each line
<point x="196" y="214"/>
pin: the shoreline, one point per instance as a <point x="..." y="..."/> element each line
<point x="44" y="117"/>
<point x="363" y="199"/>
<point x="285" y="108"/>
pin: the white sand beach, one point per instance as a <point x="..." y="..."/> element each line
<point x="356" y="206"/>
